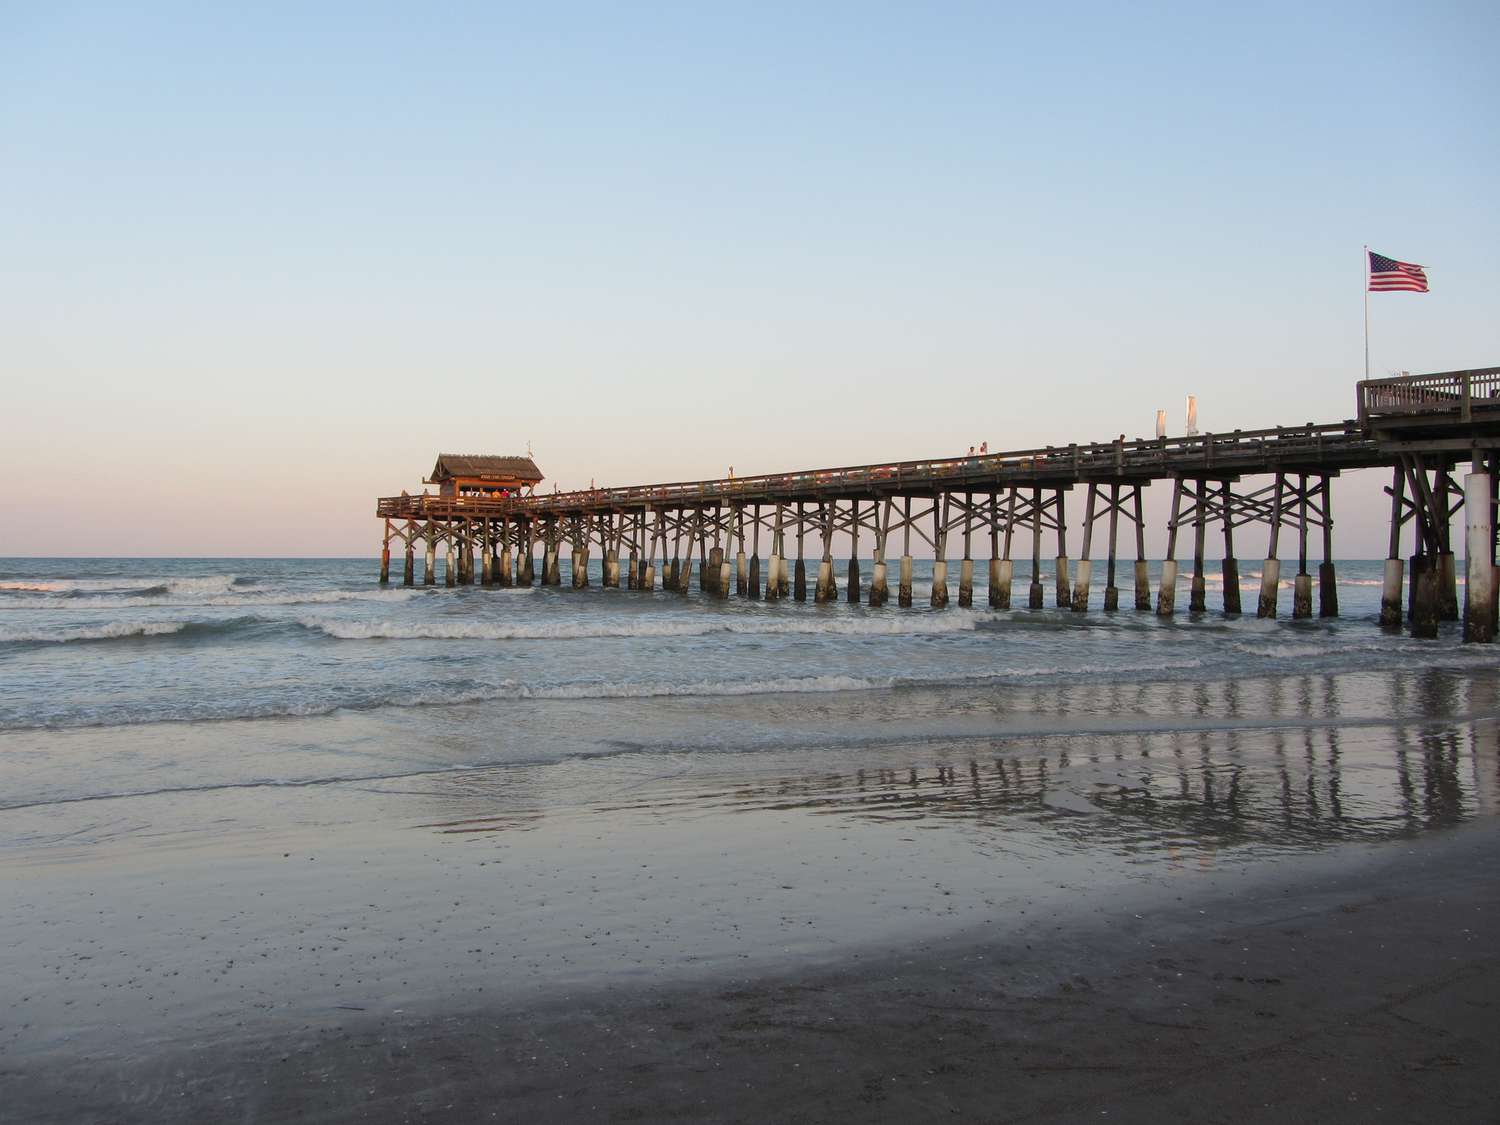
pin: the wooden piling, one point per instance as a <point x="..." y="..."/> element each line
<point x="1034" y="595"/>
<point x="1302" y="585"/>
<point x="1111" y="591"/>
<point x="1166" y="595"/>
<point x="799" y="584"/>
<point x="1230" y="569"/>
<point x="903" y="589"/>
<point x="1000" y="577"/>
<point x="879" y="585"/>
<point x="853" y="592"/>
<point x="826" y="589"/>
<point x="938" y="599"/>
<point x="966" y="565"/>
<point x="409" y="567"/>
<point x="1270" y="574"/>
<point x="1060" y="573"/>
<point x="1197" y="591"/>
<point x="1142" y="573"/>
<point x="1085" y="557"/>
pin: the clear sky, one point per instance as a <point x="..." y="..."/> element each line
<point x="259" y="263"/>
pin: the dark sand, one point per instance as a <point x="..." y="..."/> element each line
<point x="1236" y="922"/>
<point x="1330" y="987"/>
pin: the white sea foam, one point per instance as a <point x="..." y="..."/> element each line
<point x="915" y="625"/>
<point x="109" y="631"/>
<point x="248" y="598"/>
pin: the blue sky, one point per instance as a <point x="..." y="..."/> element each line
<point x="278" y="258"/>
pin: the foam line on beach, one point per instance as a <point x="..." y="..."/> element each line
<point x="913" y="625"/>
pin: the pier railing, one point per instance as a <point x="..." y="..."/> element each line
<point x="1336" y="445"/>
<point x="1455" y="393"/>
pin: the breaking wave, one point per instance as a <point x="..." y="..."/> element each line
<point x="655" y="627"/>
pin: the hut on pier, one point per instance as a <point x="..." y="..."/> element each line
<point x="483" y="476"/>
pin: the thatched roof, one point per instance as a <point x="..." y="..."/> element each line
<point x="486" y="467"/>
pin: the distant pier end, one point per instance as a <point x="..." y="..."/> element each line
<point x="1420" y="428"/>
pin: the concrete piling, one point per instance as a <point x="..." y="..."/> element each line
<point x="1448" y="586"/>
<point x="752" y="583"/>
<point x="825" y="590"/>
<point x="1426" y="598"/>
<point x="409" y="568"/>
<point x="1328" y="591"/>
<point x="741" y="574"/>
<point x="1479" y="549"/>
<point x="1001" y="573"/>
<point x="1166" y="595"/>
<point x="429" y="572"/>
<point x="1270" y="588"/>
<point x="799" y="583"/>
<point x="966" y="583"/>
<point x="903" y="588"/>
<point x="1302" y="596"/>
<point x="385" y="564"/>
<point x="505" y="576"/>
<point x="939" y="598"/>
<point x="611" y="578"/>
<point x="1230" y="569"/>
<point x="880" y="590"/>
<point x="450" y="572"/>
<point x="1081" y="586"/>
<point x="1142" y="585"/>
<point x="486" y="570"/>
<point x="1390" y="594"/>
<point x="1064" y="594"/>
<point x="854" y="591"/>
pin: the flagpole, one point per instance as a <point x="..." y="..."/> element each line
<point x="1366" y="287"/>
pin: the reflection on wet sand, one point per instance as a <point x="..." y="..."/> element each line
<point x="1140" y="793"/>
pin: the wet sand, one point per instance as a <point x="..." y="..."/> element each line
<point x="1231" y="923"/>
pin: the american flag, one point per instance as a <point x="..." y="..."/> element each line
<point x="1387" y="274"/>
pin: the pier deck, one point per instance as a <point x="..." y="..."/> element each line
<point x="1418" y="427"/>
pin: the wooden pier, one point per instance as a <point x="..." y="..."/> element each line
<point x="1010" y="506"/>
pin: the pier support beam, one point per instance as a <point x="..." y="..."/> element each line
<point x="1270" y="574"/>
<point x="1426" y="608"/>
<point x="799" y="584"/>
<point x="939" y="597"/>
<point x="1197" y="591"/>
<point x="1166" y="596"/>
<point x="1231" y="566"/>
<point x="1142" y="573"/>
<point x="852" y="594"/>
<point x="1479" y="548"/>
<point x="966" y="566"/>
<point x="1034" y="596"/>
<point x="1085" y="558"/>
<point x="1111" y="591"/>
<point x="1002" y="574"/>
<point x="1302" y="585"/>
<point x="903" y="587"/>
<point x="827" y="589"/>
<point x="1000" y="566"/>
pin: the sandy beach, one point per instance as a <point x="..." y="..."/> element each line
<point x="1243" y="922"/>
